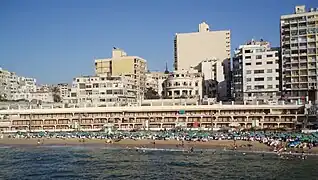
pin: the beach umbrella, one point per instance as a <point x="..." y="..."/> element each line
<point x="42" y="133"/>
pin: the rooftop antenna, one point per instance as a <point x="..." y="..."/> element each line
<point x="166" y="71"/>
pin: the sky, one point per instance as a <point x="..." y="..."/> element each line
<point x="57" y="40"/>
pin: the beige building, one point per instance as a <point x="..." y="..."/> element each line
<point x="120" y="64"/>
<point x="192" y="48"/>
<point x="299" y="45"/>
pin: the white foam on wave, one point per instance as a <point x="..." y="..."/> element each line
<point x="160" y="149"/>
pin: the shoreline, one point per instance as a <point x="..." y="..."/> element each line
<point x="245" y="146"/>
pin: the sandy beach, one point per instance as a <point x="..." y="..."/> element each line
<point x="216" y="144"/>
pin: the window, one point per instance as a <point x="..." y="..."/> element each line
<point x="258" y="71"/>
<point x="248" y="79"/>
<point x="247" y="64"/>
<point x="248" y="72"/>
<point x="269" y="55"/>
<point x="269" y="62"/>
<point x="248" y="87"/>
<point x="247" y="57"/>
<point x="247" y="51"/>
<point x="269" y="78"/>
<point x="258" y="63"/>
<point x="269" y="70"/>
<point x="277" y="78"/>
<point x="276" y="62"/>
<point x="258" y="56"/>
<point x="259" y="87"/>
<point x="277" y="70"/>
<point x="276" y="54"/>
<point x="258" y="79"/>
<point x="269" y="86"/>
<point x="277" y="86"/>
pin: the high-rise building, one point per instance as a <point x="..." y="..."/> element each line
<point x="256" y="72"/>
<point x="120" y="64"/>
<point x="299" y="46"/>
<point x="190" y="49"/>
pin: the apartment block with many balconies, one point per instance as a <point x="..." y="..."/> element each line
<point x="103" y="91"/>
<point x="120" y="64"/>
<point x="256" y="72"/>
<point x="299" y="45"/>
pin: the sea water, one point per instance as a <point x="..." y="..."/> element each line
<point x="67" y="162"/>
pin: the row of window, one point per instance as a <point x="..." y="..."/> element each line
<point x="260" y="56"/>
<point x="261" y="63"/>
<point x="258" y="87"/>
<point x="261" y="71"/>
<point x="261" y="79"/>
<point x="184" y="84"/>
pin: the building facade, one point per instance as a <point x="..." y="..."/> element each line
<point x="184" y="84"/>
<point x="199" y="117"/>
<point x="299" y="45"/>
<point x="103" y="91"/>
<point x="190" y="49"/>
<point x="212" y="71"/>
<point x="63" y="90"/>
<point x="155" y="81"/>
<point x="120" y="64"/>
<point x="14" y="87"/>
<point x="256" y="72"/>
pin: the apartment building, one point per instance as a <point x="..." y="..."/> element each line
<point x="256" y="72"/>
<point x="155" y="81"/>
<point x="299" y="45"/>
<point x="63" y="90"/>
<point x="5" y="83"/>
<point x="190" y="49"/>
<point x="184" y="84"/>
<point x="103" y="90"/>
<point x="212" y="71"/>
<point x="14" y="87"/>
<point x="120" y="64"/>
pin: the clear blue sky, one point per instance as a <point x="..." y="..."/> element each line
<point x="56" y="40"/>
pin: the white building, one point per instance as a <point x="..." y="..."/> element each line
<point x="212" y="71"/>
<point x="103" y="90"/>
<point x="14" y="87"/>
<point x="155" y="80"/>
<point x="256" y="72"/>
<point x="184" y="84"/>
<point x="299" y="44"/>
<point x="64" y="90"/>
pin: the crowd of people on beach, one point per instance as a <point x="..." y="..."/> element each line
<point x="277" y="140"/>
